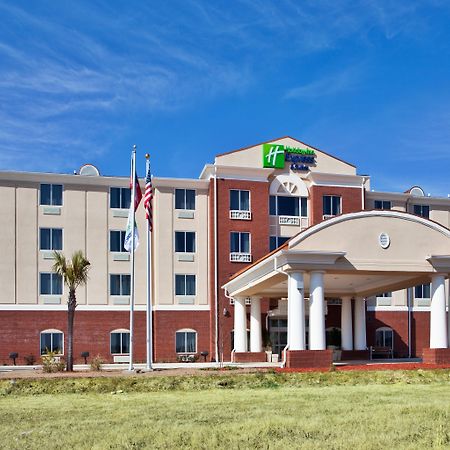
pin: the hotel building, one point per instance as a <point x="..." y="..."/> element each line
<point x="275" y="246"/>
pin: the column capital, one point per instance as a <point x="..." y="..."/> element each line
<point x="317" y="271"/>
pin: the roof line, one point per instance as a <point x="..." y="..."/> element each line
<point x="284" y="137"/>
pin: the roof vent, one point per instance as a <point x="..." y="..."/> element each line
<point x="88" y="170"/>
<point x="416" y="191"/>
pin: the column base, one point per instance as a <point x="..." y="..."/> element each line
<point x="247" y="357"/>
<point x="353" y="355"/>
<point x="309" y="358"/>
<point x="436" y="356"/>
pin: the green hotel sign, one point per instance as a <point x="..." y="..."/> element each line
<point x="275" y="156"/>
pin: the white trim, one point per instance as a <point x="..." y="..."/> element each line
<point x="112" y="308"/>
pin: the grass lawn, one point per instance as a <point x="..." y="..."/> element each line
<point x="375" y="410"/>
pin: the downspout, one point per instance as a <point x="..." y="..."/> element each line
<point x="233" y="351"/>
<point x="216" y="299"/>
<point x="363" y="197"/>
<point x="286" y="348"/>
<point x="409" y="302"/>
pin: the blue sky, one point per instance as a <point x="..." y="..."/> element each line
<point x="367" y="81"/>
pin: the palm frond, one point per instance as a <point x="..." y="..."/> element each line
<point x="75" y="271"/>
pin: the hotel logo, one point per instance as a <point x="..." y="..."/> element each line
<point x="276" y="155"/>
<point x="273" y="156"/>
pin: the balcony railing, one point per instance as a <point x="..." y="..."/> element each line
<point x="293" y="221"/>
<point x="328" y="216"/>
<point x="240" y="257"/>
<point x="240" y="215"/>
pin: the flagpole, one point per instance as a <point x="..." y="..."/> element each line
<point x="149" y="285"/>
<point x="133" y="196"/>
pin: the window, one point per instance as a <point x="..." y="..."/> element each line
<point x="120" y="342"/>
<point x="276" y="241"/>
<point x="116" y="241"/>
<point x="50" y="239"/>
<point x="50" y="284"/>
<point x="186" y="341"/>
<point x="422" y="211"/>
<point x="383" y="204"/>
<point x="184" y="284"/>
<point x="331" y="205"/>
<point x="422" y="291"/>
<point x="120" y="198"/>
<point x="120" y="284"/>
<point x="333" y="337"/>
<point x="185" y="241"/>
<point x="288" y="206"/>
<point x="51" y="194"/>
<point x="385" y="294"/>
<point x="52" y="341"/>
<point x="384" y="337"/>
<point x="184" y="199"/>
<point x="239" y="200"/>
<point x="239" y="242"/>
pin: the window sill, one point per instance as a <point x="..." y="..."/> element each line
<point x="185" y="257"/>
<point x="121" y="299"/>
<point x="186" y="299"/>
<point x="51" y="210"/>
<point x="119" y="212"/>
<point x="423" y="302"/>
<point x="48" y="254"/>
<point x="120" y="256"/>
<point x="50" y="299"/>
<point x="384" y="301"/>
<point x="121" y="358"/>
<point x="186" y="214"/>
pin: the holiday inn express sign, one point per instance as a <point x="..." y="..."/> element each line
<point x="275" y="156"/>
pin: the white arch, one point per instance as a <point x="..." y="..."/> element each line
<point x="288" y="185"/>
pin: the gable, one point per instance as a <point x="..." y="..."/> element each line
<point x="252" y="157"/>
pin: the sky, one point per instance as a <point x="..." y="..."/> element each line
<point x="367" y="81"/>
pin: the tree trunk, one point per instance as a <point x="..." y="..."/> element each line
<point x="71" y="305"/>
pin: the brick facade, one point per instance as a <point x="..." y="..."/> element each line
<point x="20" y="332"/>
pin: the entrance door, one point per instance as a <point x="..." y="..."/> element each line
<point x="278" y="334"/>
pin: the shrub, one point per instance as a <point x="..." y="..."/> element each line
<point x="52" y="363"/>
<point x="29" y="360"/>
<point x="96" y="363"/>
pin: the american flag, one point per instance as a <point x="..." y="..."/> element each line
<point x="148" y="197"/>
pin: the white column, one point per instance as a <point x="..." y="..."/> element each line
<point x="360" y="324"/>
<point x="255" y="325"/>
<point x="296" y="311"/>
<point x="346" y="324"/>
<point x="240" y="325"/>
<point x="316" y="311"/>
<point x="438" y="319"/>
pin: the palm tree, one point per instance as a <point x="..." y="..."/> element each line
<point x="74" y="273"/>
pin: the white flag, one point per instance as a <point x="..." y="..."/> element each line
<point x="127" y="243"/>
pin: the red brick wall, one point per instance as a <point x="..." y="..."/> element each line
<point x="351" y="200"/>
<point x="258" y="227"/>
<point x="20" y="332"/>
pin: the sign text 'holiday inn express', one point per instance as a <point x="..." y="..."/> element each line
<point x="276" y="155"/>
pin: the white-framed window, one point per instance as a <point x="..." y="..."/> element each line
<point x="119" y="197"/>
<point x="185" y="285"/>
<point x="422" y="291"/>
<point x="240" y="246"/>
<point x="422" y="211"/>
<point x="119" y="284"/>
<point x="186" y="341"/>
<point x="52" y="341"/>
<point x="280" y="205"/>
<point x="120" y="342"/>
<point x="331" y="205"/>
<point x="116" y="241"/>
<point x="50" y="283"/>
<point x="239" y="200"/>
<point x="385" y="294"/>
<point x="50" y="239"/>
<point x="185" y="199"/>
<point x="383" y="204"/>
<point x="185" y="241"/>
<point x="384" y="337"/>
<point x="51" y="194"/>
<point x="276" y="241"/>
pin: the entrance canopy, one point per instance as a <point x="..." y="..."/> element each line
<point x="360" y="254"/>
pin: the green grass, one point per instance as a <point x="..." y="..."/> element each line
<point x="313" y="411"/>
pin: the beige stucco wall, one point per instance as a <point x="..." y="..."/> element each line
<point x="252" y="157"/>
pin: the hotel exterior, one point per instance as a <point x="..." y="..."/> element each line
<point x="278" y="246"/>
